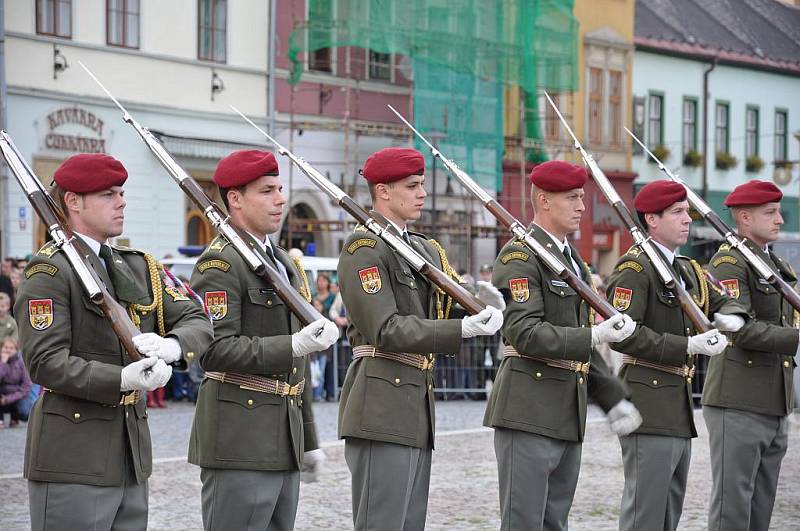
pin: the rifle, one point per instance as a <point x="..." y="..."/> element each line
<point x="304" y="311"/>
<point x="663" y="270"/>
<point x="467" y="300"/>
<point x="601" y="305"/>
<point x="762" y="268"/>
<point x="73" y="248"/>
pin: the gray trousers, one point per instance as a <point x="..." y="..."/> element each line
<point x="746" y="453"/>
<point x="537" y="476"/>
<point x="58" y="506"/>
<point x="390" y="484"/>
<point x="249" y="499"/>
<point x="656" y="468"/>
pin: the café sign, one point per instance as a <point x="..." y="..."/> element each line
<point x="75" y="129"/>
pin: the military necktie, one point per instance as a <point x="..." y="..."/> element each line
<point x="277" y="263"/>
<point x="406" y="238"/>
<point x="567" y="252"/>
<point x="123" y="286"/>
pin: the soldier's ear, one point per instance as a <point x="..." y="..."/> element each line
<point x="72" y="201"/>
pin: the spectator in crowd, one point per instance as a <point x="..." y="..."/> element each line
<point x="8" y="326"/>
<point x="9" y="265"/>
<point x="344" y="353"/>
<point x="323" y="301"/>
<point x="15" y="384"/>
<point x="489" y="346"/>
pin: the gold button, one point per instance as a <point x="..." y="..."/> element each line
<point x="688" y="331"/>
<point x="76" y="415"/>
<point x="430" y="387"/>
<point x="269" y="303"/>
<point x="562" y="293"/>
<point x="126" y="414"/>
<point x="689" y="379"/>
<point x="655" y="382"/>
<point x="294" y="370"/>
<point x="412" y="284"/>
<point x="249" y="401"/>
<point x="580" y="380"/>
<point x="397" y="380"/>
<point x="786" y="364"/>
<point x="291" y="401"/>
<point x="538" y="375"/>
<point x="189" y="355"/>
<point x="749" y="362"/>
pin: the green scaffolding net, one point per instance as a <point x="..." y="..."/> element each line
<point x="462" y="53"/>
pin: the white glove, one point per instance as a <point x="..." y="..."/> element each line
<point x="624" y="418"/>
<point x="490" y="295"/>
<point x="147" y="374"/>
<point x="315" y="337"/>
<point x="728" y="323"/>
<point x="606" y="332"/>
<point x="312" y="465"/>
<point x="153" y="345"/>
<point x="699" y="344"/>
<point x="486" y="323"/>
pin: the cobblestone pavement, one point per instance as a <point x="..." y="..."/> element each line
<point x="463" y="492"/>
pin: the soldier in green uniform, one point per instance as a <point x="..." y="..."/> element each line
<point x="253" y="428"/>
<point x="538" y="403"/>
<point x="749" y="390"/>
<point x="658" y="359"/>
<point x="398" y="320"/>
<point x="88" y="453"/>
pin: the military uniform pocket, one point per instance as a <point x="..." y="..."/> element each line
<point x="657" y="395"/>
<point x="75" y="435"/>
<point x="249" y="424"/>
<point x="743" y="372"/>
<point x="266" y="314"/>
<point x="393" y="396"/>
<point x="537" y="394"/>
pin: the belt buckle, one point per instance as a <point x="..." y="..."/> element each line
<point x="583" y="367"/>
<point x="294" y="390"/>
<point x="372" y="354"/>
<point x="129" y="399"/>
<point x="283" y="388"/>
<point x="427" y="364"/>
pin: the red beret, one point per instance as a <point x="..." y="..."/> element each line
<point x="392" y="164"/>
<point x="90" y="172"/>
<point x="242" y="167"/>
<point x="754" y="193"/>
<point x="558" y="176"/>
<point x="656" y="196"/>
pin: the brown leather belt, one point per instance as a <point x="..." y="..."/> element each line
<point x="260" y="384"/>
<point x="684" y="371"/>
<point x="129" y="399"/>
<point x="423" y="363"/>
<point x="569" y="365"/>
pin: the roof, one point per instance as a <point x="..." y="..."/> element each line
<point x="761" y="34"/>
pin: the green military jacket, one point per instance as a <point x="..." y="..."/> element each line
<point x="236" y="428"/>
<point x="755" y="372"/>
<point x="78" y="432"/>
<point x="663" y="399"/>
<point x="395" y="310"/>
<point x="545" y="317"/>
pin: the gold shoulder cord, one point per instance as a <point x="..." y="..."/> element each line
<point x="305" y="289"/>
<point x="154" y="269"/>
<point x="449" y="271"/>
<point x="700" y="273"/>
<point x="592" y="313"/>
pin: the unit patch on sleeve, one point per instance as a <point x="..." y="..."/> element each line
<point x="370" y="279"/>
<point x="519" y="289"/>
<point x="361" y="242"/>
<point x="514" y="255"/>
<point x="217" y="304"/>
<point x="622" y="298"/>
<point x="731" y="285"/>
<point x="630" y="264"/>
<point x="40" y="313"/>
<point x="222" y="265"/>
<point x="724" y="260"/>
<point x="41" y="268"/>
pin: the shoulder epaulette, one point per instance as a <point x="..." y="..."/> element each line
<point x="219" y="243"/>
<point x="124" y="249"/>
<point x="415" y="233"/>
<point x="48" y="249"/>
<point x="360" y="228"/>
<point x="725" y="247"/>
<point x="634" y="251"/>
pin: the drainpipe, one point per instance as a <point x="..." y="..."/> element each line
<point x="704" y="186"/>
<point x="5" y="193"/>
<point x="271" y="53"/>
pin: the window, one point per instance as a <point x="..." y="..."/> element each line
<point x="614" y="107"/>
<point x="751" y="132"/>
<point x="780" y="135"/>
<point x="212" y="22"/>
<point x="655" y="132"/>
<point x="122" y="23"/>
<point x="380" y="66"/>
<point x="689" y="125"/>
<point x="638" y="123"/>
<point x="595" y="105"/>
<point x="722" y="128"/>
<point x="54" y="17"/>
<point x="320" y="17"/>
<point x="552" y="125"/>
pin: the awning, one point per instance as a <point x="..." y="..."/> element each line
<point x="202" y="148"/>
